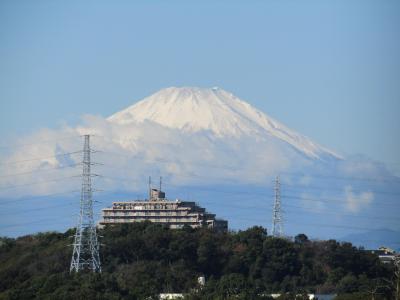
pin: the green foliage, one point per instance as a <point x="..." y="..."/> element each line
<point x="354" y="296"/>
<point x="141" y="260"/>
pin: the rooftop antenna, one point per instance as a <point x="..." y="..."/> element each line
<point x="149" y="188"/>
<point x="160" y="182"/>
<point x="277" y="223"/>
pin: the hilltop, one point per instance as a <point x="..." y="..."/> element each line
<point x="144" y="259"/>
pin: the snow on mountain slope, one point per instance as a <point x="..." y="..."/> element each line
<point x="193" y="109"/>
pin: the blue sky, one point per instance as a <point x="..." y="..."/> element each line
<point x="328" y="69"/>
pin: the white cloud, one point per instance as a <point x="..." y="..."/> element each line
<point x="133" y="152"/>
<point x="356" y="201"/>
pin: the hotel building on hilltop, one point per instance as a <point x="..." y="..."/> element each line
<point x="158" y="209"/>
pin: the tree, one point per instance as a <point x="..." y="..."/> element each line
<point x="301" y="239"/>
<point x="141" y="260"/>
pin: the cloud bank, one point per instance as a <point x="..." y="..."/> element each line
<point x="235" y="175"/>
<point x="134" y="152"/>
<point x="48" y="161"/>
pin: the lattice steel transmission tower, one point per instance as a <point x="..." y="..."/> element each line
<point x="397" y="277"/>
<point x="86" y="247"/>
<point x="277" y="221"/>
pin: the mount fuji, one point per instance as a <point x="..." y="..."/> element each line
<point x="210" y="147"/>
<point x="214" y="110"/>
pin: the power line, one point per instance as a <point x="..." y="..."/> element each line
<point x="338" y="226"/>
<point x="32" y="222"/>
<point x="319" y="176"/>
<point x="168" y="161"/>
<point x="198" y="188"/>
<point x="21" y="211"/>
<point x="322" y="176"/>
<point x="2" y="202"/>
<point x="209" y="189"/>
<point x="38" y="182"/>
<point x="51" y="220"/>
<point x="41" y="170"/>
<point x="258" y="207"/>
<point x="331" y="201"/>
<point x="39" y="142"/>
<point x="306" y="209"/>
<point x="235" y="193"/>
<point x="370" y="241"/>
<point x="296" y="188"/>
<point x="39" y="158"/>
<point x="192" y="174"/>
<point x="340" y="213"/>
<point x="315" y="225"/>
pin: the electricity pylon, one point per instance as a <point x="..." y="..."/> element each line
<point x="277" y="222"/>
<point x="86" y="247"/>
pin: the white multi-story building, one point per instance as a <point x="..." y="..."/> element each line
<point x="385" y="254"/>
<point x="174" y="214"/>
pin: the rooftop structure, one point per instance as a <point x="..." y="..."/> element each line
<point x="160" y="210"/>
<point x="386" y="255"/>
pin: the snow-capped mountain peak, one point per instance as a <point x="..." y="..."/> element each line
<point x="193" y="109"/>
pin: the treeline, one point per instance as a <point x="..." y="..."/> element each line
<point x="141" y="260"/>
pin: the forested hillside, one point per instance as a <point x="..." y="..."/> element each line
<point x="141" y="260"/>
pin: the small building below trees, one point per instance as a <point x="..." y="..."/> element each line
<point x="386" y="255"/>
